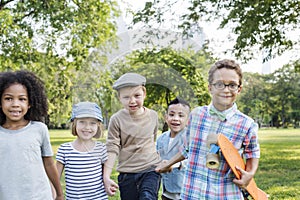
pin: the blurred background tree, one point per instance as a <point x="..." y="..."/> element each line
<point x="68" y="43"/>
<point x="53" y="39"/>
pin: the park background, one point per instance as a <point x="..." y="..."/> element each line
<point x="78" y="50"/>
<point x="278" y="169"/>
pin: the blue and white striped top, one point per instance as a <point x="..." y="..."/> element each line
<point x="83" y="171"/>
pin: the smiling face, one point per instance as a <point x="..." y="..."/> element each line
<point x="86" y="128"/>
<point x="176" y="118"/>
<point x="224" y="98"/>
<point x="15" y="103"/>
<point x="132" y="99"/>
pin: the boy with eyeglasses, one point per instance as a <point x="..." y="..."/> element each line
<point x="221" y="116"/>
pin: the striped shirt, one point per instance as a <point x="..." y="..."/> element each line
<point x="202" y="182"/>
<point x="83" y="171"/>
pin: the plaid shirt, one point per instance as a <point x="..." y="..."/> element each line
<point x="202" y="182"/>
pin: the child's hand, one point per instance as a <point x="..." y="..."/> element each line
<point x="245" y="178"/>
<point x="163" y="167"/>
<point x="110" y="187"/>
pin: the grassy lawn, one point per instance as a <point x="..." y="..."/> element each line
<point x="278" y="173"/>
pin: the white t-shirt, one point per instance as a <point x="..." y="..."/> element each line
<point x="22" y="173"/>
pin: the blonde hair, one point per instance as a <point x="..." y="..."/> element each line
<point x="97" y="135"/>
<point x="143" y="88"/>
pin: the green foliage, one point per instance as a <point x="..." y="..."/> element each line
<point x="286" y="85"/>
<point x="54" y="39"/>
<point x="169" y="73"/>
<point x="254" y="99"/>
<point x="273" y="99"/>
<point x="65" y="43"/>
<point x="256" y="23"/>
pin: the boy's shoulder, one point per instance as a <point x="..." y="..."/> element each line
<point x="245" y="117"/>
<point x="161" y="139"/>
<point x="163" y="135"/>
<point x="241" y="115"/>
<point x="153" y="112"/>
<point x="200" y="109"/>
<point x="235" y="112"/>
<point x="119" y="114"/>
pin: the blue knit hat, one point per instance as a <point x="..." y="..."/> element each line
<point x="86" y="109"/>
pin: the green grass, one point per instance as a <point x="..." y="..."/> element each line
<point x="278" y="173"/>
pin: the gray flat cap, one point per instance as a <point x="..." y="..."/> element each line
<point x="129" y="79"/>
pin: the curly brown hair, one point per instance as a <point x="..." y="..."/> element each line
<point x="36" y="93"/>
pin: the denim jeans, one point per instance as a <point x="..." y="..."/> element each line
<point x="139" y="186"/>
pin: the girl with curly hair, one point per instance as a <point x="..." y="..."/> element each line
<point x="26" y="153"/>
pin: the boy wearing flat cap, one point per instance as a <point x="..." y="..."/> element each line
<point x="131" y="138"/>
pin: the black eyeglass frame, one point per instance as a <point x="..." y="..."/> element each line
<point x="222" y="86"/>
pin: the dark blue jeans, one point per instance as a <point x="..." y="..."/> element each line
<point x="139" y="186"/>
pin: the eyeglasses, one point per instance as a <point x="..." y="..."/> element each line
<point x="221" y="86"/>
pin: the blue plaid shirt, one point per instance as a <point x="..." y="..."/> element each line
<point x="202" y="182"/>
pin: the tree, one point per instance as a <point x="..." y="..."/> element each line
<point x="54" y="39"/>
<point x="169" y="73"/>
<point x="286" y="88"/>
<point x="265" y="24"/>
<point x="255" y="99"/>
<point x="272" y="99"/>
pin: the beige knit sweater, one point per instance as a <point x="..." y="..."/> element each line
<point x="132" y="139"/>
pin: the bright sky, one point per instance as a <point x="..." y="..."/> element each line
<point x="217" y="38"/>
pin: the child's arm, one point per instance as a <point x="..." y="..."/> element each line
<point x="52" y="174"/>
<point x="166" y="165"/>
<point x="60" y="168"/>
<point x="110" y="186"/>
<point x="248" y="174"/>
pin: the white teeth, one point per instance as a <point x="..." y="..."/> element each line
<point x="15" y="112"/>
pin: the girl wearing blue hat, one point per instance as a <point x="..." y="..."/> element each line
<point x="83" y="159"/>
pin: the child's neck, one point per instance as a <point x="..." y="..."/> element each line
<point x="15" y="125"/>
<point x="222" y="108"/>
<point x="173" y="134"/>
<point x="84" y="145"/>
<point x="138" y="112"/>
